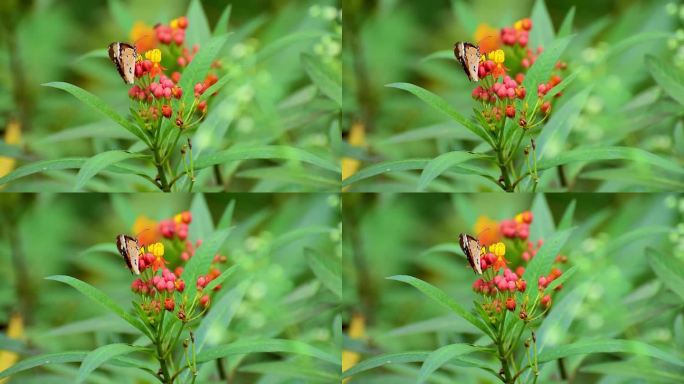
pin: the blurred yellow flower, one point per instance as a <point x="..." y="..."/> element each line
<point x="357" y="329"/>
<point x="487" y="37"/>
<point x="143" y="36"/>
<point x="487" y="230"/>
<point x="146" y="230"/>
<point x="357" y="138"/>
<point x="497" y="56"/>
<point x="12" y="137"/>
<point x="15" y="330"/>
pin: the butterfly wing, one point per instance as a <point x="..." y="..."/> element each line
<point x="130" y="250"/>
<point x="468" y="55"/>
<point x="124" y="55"/>
<point x="471" y="247"/>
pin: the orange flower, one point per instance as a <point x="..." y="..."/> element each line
<point x="487" y="230"/>
<point x="143" y="37"/>
<point x="146" y="230"/>
<point x="499" y="250"/>
<point x="487" y="37"/>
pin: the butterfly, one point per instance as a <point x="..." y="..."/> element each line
<point x="129" y="248"/>
<point x="469" y="56"/>
<point x="472" y="249"/>
<point x="124" y="55"/>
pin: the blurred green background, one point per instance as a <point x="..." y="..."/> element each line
<point x="45" y="234"/>
<point x="389" y="41"/>
<point x="614" y="292"/>
<point x="270" y="100"/>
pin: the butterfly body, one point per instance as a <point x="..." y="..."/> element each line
<point x="468" y="55"/>
<point x="124" y="55"/>
<point x="129" y="248"/>
<point x="472" y="249"/>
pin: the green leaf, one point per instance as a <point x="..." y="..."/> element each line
<point x="221" y="312"/>
<point x="610" y="153"/>
<point x="197" y="70"/>
<point x="380" y="168"/>
<point x="99" y="297"/>
<point x="541" y="263"/>
<point x="444" y="247"/>
<point x="669" y="269"/>
<point x="221" y="278"/>
<point x="442" y="163"/>
<point x="37" y="361"/>
<point x="646" y="371"/>
<point x="121" y="15"/>
<point x="324" y="78"/>
<point x="566" y="220"/>
<point x="286" y="41"/>
<point x="227" y="217"/>
<point x="390" y="358"/>
<point x="99" y="105"/>
<point x="555" y="134"/>
<point x="217" y="86"/>
<point x="542" y="34"/>
<point x="465" y="15"/>
<point x="266" y="346"/>
<point x="540" y="72"/>
<point x="200" y="262"/>
<point x="443" y="106"/>
<point x="202" y="223"/>
<point x="101" y="355"/>
<point x="198" y="31"/>
<point x="554" y="327"/>
<point x="608" y="346"/>
<point x="42" y="166"/>
<point x="264" y="152"/>
<point x="99" y="162"/>
<point x="326" y="270"/>
<point x="307" y="372"/>
<point x="560" y="280"/>
<point x="443" y="299"/>
<point x="543" y="218"/>
<point x="566" y="27"/>
<point x="668" y="77"/>
<point x="222" y="23"/>
<point x="439" y="55"/>
<point x="441" y="356"/>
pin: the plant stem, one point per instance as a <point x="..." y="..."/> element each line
<point x="506" y="370"/>
<point x="163" y="360"/>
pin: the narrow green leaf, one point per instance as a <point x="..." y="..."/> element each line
<point x="443" y="106"/>
<point x="202" y="222"/>
<point x="543" y="218"/>
<point x="308" y="372"/>
<point x="667" y="76"/>
<point x="608" y="346"/>
<point x="323" y="77"/>
<point x="541" y="263"/>
<point x="198" y="31"/>
<point x="560" y="280"/>
<point x="101" y="355"/>
<point x="566" y="27"/>
<point x="669" y="269"/>
<point x="646" y="371"/>
<point x="444" y="247"/>
<point x="326" y="270"/>
<point x="610" y="153"/>
<point x="221" y="278"/>
<point x="266" y="346"/>
<point x="42" y="166"/>
<point x="227" y="217"/>
<point x="197" y="70"/>
<point x="679" y="332"/>
<point x="540" y="72"/>
<point x="390" y="358"/>
<point x="390" y="166"/>
<point x="290" y="39"/>
<point x="99" y="297"/>
<point x="99" y="162"/>
<point x="553" y="137"/>
<point x="554" y="327"/>
<point x="542" y="34"/>
<point x="439" y="55"/>
<point x="442" y="163"/>
<point x="99" y="105"/>
<point x="266" y="153"/>
<point x="441" y="356"/>
<point x="200" y="262"/>
<point x="222" y="23"/>
<point x="443" y="299"/>
<point x="121" y="15"/>
<point x="566" y="220"/>
<point x="37" y="361"/>
<point x="221" y="313"/>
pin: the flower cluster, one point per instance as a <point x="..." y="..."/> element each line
<point x="502" y="273"/>
<point x="501" y="80"/>
<point x="160" y="285"/>
<point x="157" y="90"/>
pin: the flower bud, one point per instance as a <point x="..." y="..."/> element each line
<point x="169" y="304"/>
<point x="510" y="304"/>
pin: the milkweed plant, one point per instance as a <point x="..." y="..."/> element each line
<point x="190" y="85"/>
